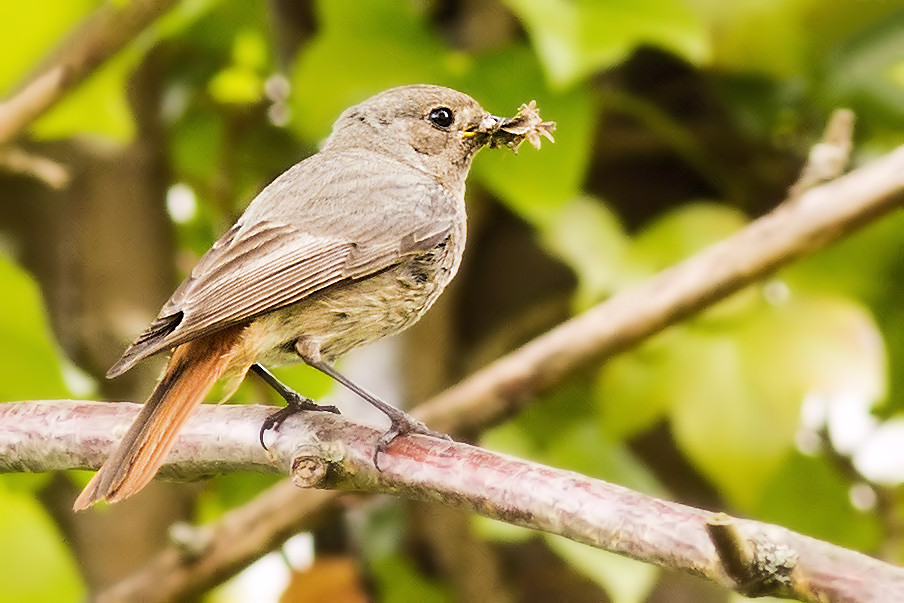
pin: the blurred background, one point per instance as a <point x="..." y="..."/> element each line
<point x="678" y="122"/>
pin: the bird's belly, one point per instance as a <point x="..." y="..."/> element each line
<point x="354" y="313"/>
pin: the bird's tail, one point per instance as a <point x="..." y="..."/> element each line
<point x="191" y="373"/>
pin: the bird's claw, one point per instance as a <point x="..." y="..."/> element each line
<point x="293" y="407"/>
<point x="404" y="425"/>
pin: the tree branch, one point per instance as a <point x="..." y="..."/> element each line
<point x="101" y="36"/>
<point x="810" y="222"/>
<point x="20" y="162"/>
<point x="322" y="450"/>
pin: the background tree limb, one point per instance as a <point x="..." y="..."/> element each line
<point x="100" y="37"/>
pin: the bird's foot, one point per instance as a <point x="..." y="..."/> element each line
<point x="295" y="403"/>
<point x="403" y="424"/>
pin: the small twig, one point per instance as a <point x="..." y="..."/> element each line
<point x="829" y="158"/>
<point x="322" y="450"/>
<point x="17" y="161"/>
<point x="101" y="36"/>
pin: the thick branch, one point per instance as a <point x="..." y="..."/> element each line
<point x="101" y="36"/>
<point x="322" y="450"/>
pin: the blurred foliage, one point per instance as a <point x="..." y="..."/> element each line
<point x="37" y="565"/>
<point x="29" y="361"/>
<point x="722" y="392"/>
<point x="576" y="39"/>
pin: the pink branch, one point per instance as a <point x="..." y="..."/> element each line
<point x="321" y="450"/>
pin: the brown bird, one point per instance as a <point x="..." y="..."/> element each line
<point x="346" y="247"/>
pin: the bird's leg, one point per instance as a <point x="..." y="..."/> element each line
<point x="401" y="422"/>
<point x="295" y="402"/>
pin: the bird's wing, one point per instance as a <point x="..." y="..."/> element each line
<point x="257" y="268"/>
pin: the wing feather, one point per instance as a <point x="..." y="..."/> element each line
<point x="258" y="268"/>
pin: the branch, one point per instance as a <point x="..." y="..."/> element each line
<point x="321" y="450"/>
<point x="19" y="162"/>
<point x="101" y="36"/>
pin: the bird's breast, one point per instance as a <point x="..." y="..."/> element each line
<point x="357" y="312"/>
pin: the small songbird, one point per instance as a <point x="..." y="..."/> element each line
<point x="349" y="246"/>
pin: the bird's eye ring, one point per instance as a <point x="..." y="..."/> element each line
<point x="441" y="117"/>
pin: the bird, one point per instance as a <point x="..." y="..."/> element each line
<point x="348" y="246"/>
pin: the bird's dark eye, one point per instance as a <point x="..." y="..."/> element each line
<point x="441" y="117"/>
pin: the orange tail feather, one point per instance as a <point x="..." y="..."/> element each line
<point x="191" y="373"/>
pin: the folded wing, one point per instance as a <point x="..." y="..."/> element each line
<point x="258" y="268"/>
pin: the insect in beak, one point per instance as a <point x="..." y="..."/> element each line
<point x="488" y="124"/>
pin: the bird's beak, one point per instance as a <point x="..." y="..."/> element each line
<point x="495" y="131"/>
<point x="487" y="125"/>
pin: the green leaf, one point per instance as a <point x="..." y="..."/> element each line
<point x="807" y="495"/>
<point x="29" y="362"/>
<point x="398" y="581"/>
<point x="29" y="30"/>
<point x="587" y="236"/>
<point x="575" y="38"/>
<point x="634" y="390"/>
<point x="28" y="483"/>
<point x="534" y="184"/>
<point x="862" y="265"/>
<point x="500" y="531"/>
<point x="736" y="407"/>
<point x="625" y="580"/>
<point x="531" y="432"/>
<point x="230" y="490"/>
<point x="99" y="105"/>
<point x="586" y="449"/>
<point x="684" y="231"/>
<point x="866" y="72"/>
<point x="237" y="85"/>
<point x="681" y="233"/>
<point x="361" y="49"/>
<point x="724" y="423"/>
<point x="302" y="378"/>
<point x="195" y="144"/>
<point x="743" y="35"/>
<point x="35" y="564"/>
<point x="242" y="82"/>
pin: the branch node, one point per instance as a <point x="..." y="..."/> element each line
<point x="829" y="157"/>
<point x="757" y="568"/>
<point x="311" y="463"/>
